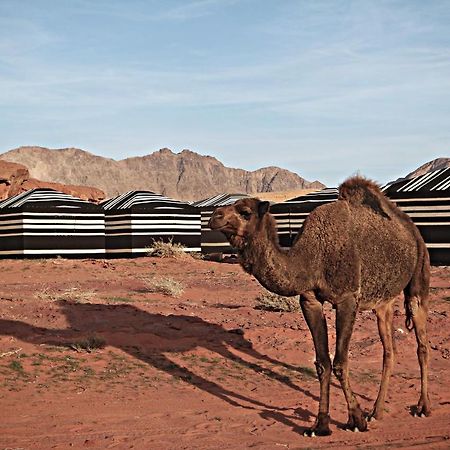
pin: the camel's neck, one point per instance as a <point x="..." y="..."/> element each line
<point x="279" y="271"/>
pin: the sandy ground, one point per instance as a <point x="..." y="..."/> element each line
<point x="282" y="196"/>
<point x="203" y="371"/>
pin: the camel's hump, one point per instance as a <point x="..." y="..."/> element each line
<point x="361" y="191"/>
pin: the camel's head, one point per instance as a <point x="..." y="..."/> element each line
<point x="240" y="220"/>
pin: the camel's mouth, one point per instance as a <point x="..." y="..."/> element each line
<point x="224" y="228"/>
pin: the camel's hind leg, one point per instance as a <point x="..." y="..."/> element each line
<point x="313" y="312"/>
<point x="419" y="312"/>
<point x="345" y="320"/>
<point x="385" y="315"/>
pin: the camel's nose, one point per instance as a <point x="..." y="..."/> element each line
<point x="216" y="215"/>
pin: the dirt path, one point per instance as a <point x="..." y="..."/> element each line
<point x="90" y="358"/>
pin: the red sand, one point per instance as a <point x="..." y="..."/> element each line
<point x="202" y="371"/>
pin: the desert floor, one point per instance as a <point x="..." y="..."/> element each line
<point x="205" y="370"/>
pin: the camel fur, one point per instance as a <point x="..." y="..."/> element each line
<point x="357" y="253"/>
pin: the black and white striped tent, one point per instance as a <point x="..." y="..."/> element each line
<point x="426" y="199"/>
<point x="136" y="219"/>
<point x="45" y="222"/>
<point x="291" y="214"/>
<point x="214" y="241"/>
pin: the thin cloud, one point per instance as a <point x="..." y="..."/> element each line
<point x="350" y="78"/>
<point x="142" y="11"/>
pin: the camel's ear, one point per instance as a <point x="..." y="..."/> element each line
<point x="263" y="207"/>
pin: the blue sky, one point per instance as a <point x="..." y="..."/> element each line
<point x="323" y="88"/>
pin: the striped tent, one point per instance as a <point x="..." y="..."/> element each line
<point x="426" y="199"/>
<point x="291" y="214"/>
<point x="45" y="222"/>
<point x="215" y="241"/>
<point x="136" y="219"/>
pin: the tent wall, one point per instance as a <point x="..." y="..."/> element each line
<point x="47" y="223"/>
<point x="134" y="233"/>
<point x="426" y="199"/>
<point x="135" y="220"/>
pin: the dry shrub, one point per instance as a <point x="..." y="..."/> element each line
<point x="169" y="249"/>
<point x="164" y="285"/>
<point x="268" y="301"/>
<point x="46" y="294"/>
<point x="73" y="294"/>
<point x="77" y="295"/>
<point x="89" y="344"/>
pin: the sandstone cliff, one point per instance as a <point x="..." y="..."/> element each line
<point x="15" y="178"/>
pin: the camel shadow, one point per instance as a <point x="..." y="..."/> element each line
<point x="152" y="337"/>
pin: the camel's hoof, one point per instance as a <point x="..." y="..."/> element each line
<point x="317" y="432"/>
<point x="421" y="411"/>
<point x="353" y="430"/>
<point x="371" y="417"/>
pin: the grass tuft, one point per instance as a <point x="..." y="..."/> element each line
<point x="73" y="294"/>
<point x="268" y="301"/>
<point x="168" y="249"/>
<point x="17" y="367"/>
<point x="164" y="285"/>
<point x="88" y="345"/>
<point x="119" y="299"/>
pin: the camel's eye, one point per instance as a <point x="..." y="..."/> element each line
<point x="245" y="213"/>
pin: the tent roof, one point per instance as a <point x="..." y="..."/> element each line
<point x="46" y="198"/>
<point x="324" y="195"/>
<point x="220" y="200"/>
<point x="436" y="182"/>
<point x="139" y="199"/>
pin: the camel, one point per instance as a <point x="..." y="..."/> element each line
<point x="357" y="253"/>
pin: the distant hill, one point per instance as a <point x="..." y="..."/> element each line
<point x="186" y="175"/>
<point x="436" y="164"/>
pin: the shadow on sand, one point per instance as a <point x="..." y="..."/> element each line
<point x="150" y="337"/>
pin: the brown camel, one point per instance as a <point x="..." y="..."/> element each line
<point x="357" y="253"/>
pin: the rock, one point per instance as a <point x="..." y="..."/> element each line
<point x="15" y="178"/>
<point x="12" y="176"/>
<point x="90" y="194"/>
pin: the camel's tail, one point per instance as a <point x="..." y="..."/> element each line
<point x="416" y="292"/>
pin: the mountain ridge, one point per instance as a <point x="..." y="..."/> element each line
<point x="435" y="164"/>
<point x="186" y="175"/>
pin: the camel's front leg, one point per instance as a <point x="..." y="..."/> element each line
<point x="345" y="320"/>
<point x="313" y="312"/>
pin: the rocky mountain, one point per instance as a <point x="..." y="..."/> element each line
<point x="15" y="178"/>
<point x="186" y="175"/>
<point x="436" y="164"/>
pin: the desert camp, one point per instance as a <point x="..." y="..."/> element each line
<point x="224" y="225"/>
